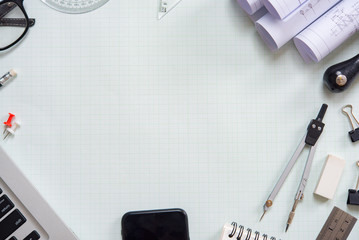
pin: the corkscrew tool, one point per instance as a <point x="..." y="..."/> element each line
<point x="341" y="75"/>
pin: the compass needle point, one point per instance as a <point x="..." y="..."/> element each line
<point x="262" y="215"/>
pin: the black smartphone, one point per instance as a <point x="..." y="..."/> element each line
<point x="164" y="224"/>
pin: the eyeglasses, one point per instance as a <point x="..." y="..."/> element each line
<point x="14" y="23"/>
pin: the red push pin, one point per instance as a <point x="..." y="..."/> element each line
<point x="8" y="122"/>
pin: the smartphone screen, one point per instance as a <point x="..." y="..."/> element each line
<point x="166" y="224"/>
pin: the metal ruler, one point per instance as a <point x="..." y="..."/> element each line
<point x="338" y="225"/>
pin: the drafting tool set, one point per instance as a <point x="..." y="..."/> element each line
<point x="330" y="177"/>
<point x="341" y="75"/>
<point x="353" y="194"/>
<point x="238" y="232"/>
<point x="354" y="133"/>
<point x="10" y="125"/>
<point x="315" y="34"/>
<point x="338" y="226"/>
<point x="314" y="130"/>
<point x="316" y="27"/>
<point x="75" y="6"/>
<point x="7" y="77"/>
<point x="165" y="6"/>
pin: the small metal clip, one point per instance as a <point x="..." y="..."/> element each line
<point x="353" y="194"/>
<point x="354" y="133"/>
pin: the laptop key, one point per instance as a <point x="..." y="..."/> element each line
<point x="0" y="191"/>
<point x="33" y="236"/>
<point x="13" y="238"/>
<point x="5" y="206"/>
<point x="11" y="223"/>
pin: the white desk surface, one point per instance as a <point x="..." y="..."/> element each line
<point x="123" y="112"/>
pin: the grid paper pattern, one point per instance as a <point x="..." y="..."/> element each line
<point x="123" y="112"/>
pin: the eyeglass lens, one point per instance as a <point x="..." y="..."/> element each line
<point x="12" y="23"/>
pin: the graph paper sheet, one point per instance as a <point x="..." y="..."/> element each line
<point x="123" y="112"/>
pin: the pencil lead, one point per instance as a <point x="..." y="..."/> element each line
<point x="286" y="229"/>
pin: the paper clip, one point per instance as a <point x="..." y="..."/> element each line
<point x="354" y="133"/>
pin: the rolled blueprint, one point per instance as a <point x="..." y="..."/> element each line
<point x="328" y="32"/>
<point x="282" y="8"/>
<point x="276" y="33"/>
<point x="250" y="6"/>
<point x="258" y="14"/>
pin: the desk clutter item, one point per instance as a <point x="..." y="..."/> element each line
<point x="280" y="9"/>
<point x="353" y="197"/>
<point x="353" y="194"/>
<point x="234" y="232"/>
<point x="9" y="127"/>
<point x="160" y="224"/>
<point x="314" y="130"/>
<point x="75" y="6"/>
<point x="24" y="214"/>
<point x="7" y="77"/>
<point x="14" y="23"/>
<point x="11" y="130"/>
<point x="250" y="6"/>
<point x="165" y="6"/>
<point x="330" y="177"/>
<point x="329" y="31"/>
<point x="341" y="75"/>
<point x="8" y="124"/>
<point x="316" y="27"/>
<point x="338" y="226"/>
<point x="354" y="133"/>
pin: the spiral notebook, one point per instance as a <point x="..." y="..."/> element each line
<point x="235" y="232"/>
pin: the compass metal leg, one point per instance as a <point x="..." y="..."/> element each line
<point x="284" y="175"/>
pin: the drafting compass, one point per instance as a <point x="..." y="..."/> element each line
<point x="314" y="130"/>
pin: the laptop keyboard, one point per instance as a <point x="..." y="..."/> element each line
<point x="11" y="223"/>
<point x="5" y="205"/>
<point x="12" y="220"/>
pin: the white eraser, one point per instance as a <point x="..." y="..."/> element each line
<point x="13" y="73"/>
<point x="330" y="177"/>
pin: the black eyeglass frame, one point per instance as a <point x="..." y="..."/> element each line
<point x="20" y="4"/>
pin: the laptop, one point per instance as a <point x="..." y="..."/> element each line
<point x="24" y="214"/>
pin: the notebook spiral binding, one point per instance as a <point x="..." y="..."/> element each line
<point x="240" y="236"/>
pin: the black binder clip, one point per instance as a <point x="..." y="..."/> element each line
<point x="353" y="194"/>
<point x="353" y="134"/>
